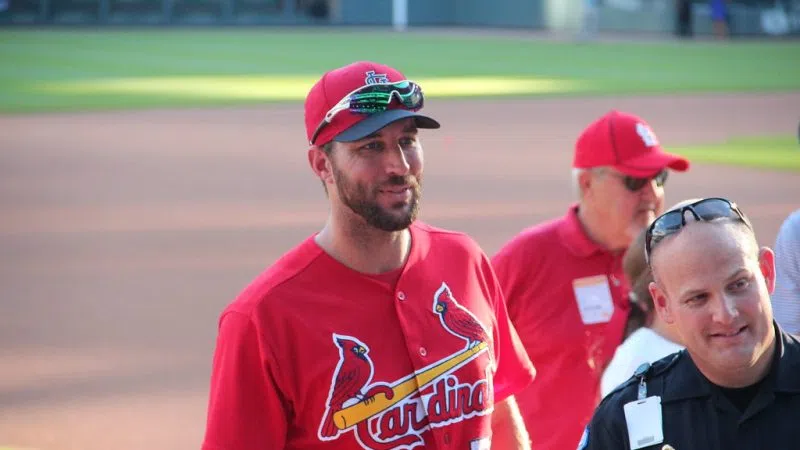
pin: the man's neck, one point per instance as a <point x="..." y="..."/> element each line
<point x="364" y="248"/>
<point x="591" y="226"/>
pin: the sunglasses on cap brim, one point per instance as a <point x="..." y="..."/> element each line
<point x="634" y="184"/>
<point x="705" y="210"/>
<point x="375" y="98"/>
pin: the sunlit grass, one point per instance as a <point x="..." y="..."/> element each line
<point x="777" y="153"/>
<point x="272" y="88"/>
<point x="68" y="70"/>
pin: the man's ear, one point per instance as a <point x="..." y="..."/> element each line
<point x="766" y="262"/>
<point x="321" y="164"/>
<point x="585" y="180"/>
<point x="660" y="302"/>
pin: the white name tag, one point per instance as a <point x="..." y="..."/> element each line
<point x="480" y="444"/>
<point x="594" y="299"/>
<point x="643" y="418"/>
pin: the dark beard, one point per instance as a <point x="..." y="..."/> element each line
<point x="356" y="198"/>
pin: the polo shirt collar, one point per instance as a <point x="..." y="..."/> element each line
<point x="685" y="381"/>
<point x="574" y="237"/>
<point x="787" y="379"/>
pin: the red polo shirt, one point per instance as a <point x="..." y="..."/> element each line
<point x="567" y="298"/>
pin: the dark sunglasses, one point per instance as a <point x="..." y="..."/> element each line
<point x="375" y="98"/>
<point x="634" y="184"/>
<point x="706" y="210"/>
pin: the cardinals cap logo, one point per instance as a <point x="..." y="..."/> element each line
<point x="375" y="78"/>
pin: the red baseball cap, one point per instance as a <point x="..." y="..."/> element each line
<point x="626" y="143"/>
<point x="348" y="126"/>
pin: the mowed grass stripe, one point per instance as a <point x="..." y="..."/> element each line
<point x="28" y="58"/>
<point x="295" y="88"/>
<point x="769" y="152"/>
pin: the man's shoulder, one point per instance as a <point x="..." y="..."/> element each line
<point x="789" y="365"/>
<point x="537" y="236"/>
<point x="444" y="237"/>
<point x="607" y="428"/>
<point x="439" y="232"/>
<point x="790" y="228"/>
<point x="793" y="219"/>
<point x="652" y="372"/>
<point x="542" y="230"/>
<point x="791" y="341"/>
<point x="287" y="270"/>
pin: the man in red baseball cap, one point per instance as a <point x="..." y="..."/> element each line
<point x="331" y="113"/>
<point x="625" y="143"/>
<point x="563" y="280"/>
<point x="379" y="331"/>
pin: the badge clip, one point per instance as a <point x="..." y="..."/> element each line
<point x="643" y="415"/>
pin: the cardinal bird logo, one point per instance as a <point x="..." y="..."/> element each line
<point x="457" y="319"/>
<point x="400" y="413"/>
<point x="351" y="376"/>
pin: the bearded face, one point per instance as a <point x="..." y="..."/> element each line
<point x="390" y="205"/>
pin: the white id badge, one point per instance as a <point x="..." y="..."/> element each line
<point x="594" y="299"/>
<point x="643" y="418"/>
<point x="480" y="444"/>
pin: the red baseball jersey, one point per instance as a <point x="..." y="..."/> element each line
<point x="314" y="355"/>
<point x="568" y="300"/>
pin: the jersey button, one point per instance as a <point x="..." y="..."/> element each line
<point x="423" y="352"/>
<point x="401" y="295"/>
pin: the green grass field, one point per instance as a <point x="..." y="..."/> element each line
<point x="42" y="71"/>
<point x="79" y="70"/>
<point x="775" y="153"/>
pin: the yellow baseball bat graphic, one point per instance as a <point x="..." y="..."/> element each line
<point x="354" y="414"/>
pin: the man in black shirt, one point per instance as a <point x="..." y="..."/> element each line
<point x="737" y="384"/>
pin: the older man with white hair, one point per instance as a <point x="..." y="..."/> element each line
<point x="565" y="288"/>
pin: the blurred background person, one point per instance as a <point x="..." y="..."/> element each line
<point x="649" y="338"/>
<point x="683" y="18"/>
<point x="590" y="22"/>
<point x="720" y="18"/>
<point x="567" y="294"/>
<point x="786" y="298"/>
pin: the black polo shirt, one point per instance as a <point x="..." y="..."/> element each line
<point x="697" y="414"/>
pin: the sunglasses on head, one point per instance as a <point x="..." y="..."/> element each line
<point x="634" y="184"/>
<point x="706" y="210"/>
<point x="375" y="98"/>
